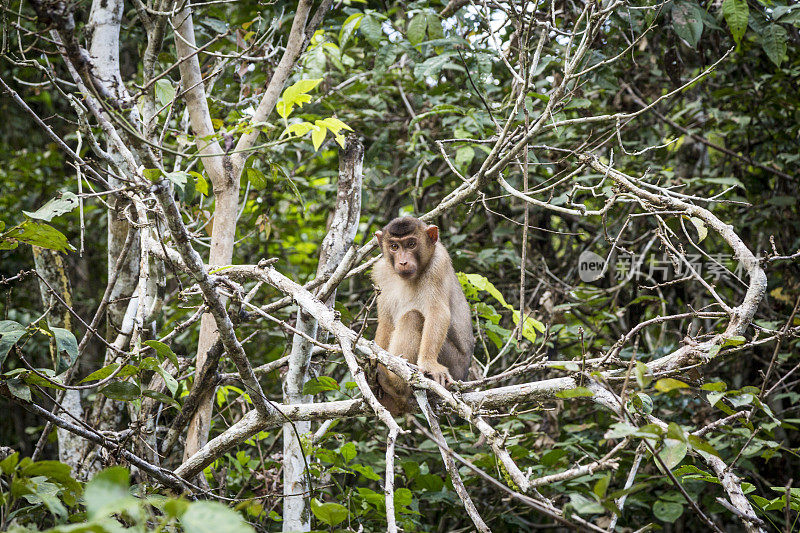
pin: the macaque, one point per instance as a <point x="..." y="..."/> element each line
<point x="423" y="315"/>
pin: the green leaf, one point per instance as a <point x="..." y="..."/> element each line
<point x="773" y="41"/>
<point x="601" y="486"/>
<point x="19" y="388"/>
<point x="642" y="374"/>
<point x="371" y="29"/>
<point x="124" y="391"/>
<point x="366" y="471"/>
<point x="416" y="28"/>
<point x="434" y="26"/>
<point x="295" y="95"/>
<point x="298" y="129"/>
<point x="178" y="179"/>
<point x="673" y="452"/>
<point x="736" y="340"/>
<point x="700" y="226"/>
<point x="668" y="384"/>
<point x="256" y="179"/>
<point x="55" y="207"/>
<point x="716" y="386"/>
<point x="65" y="342"/>
<point x="213" y="517"/>
<point x="152" y="174"/>
<point x="431" y="67"/>
<point x="584" y="505"/>
<point x="163" y="351"/>
<point x="687" y="21"/>
<point x="349" y="26"/>
<point x="667" y="511"/>
<point x="320" y="384"/>
<point x="41" y="235"/>
<point x="464" y="156"/>
<point x="10" y="333"/>
<point x="331" y="514"/>
<point x="165" y="92"/>
<point x="333" y="124"/>
<point x="577" y="392"/>
<point x="200" y="184"/>
<point x="736" y="14"/>
<point x="171" y="382"/>
<point x="348" y="452"/>
<point x="318" y="135"/>
<point x="108" y="492"/>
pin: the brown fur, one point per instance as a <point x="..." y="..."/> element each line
<point x="422" y="312"/>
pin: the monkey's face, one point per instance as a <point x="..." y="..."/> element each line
<point x="403" y="255"/>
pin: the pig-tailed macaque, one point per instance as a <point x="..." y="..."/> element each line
<point x="422" y="312"/>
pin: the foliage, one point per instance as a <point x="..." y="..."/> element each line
<point x="407" y="80"/>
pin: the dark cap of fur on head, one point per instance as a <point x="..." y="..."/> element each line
<point x="402" y="226"/>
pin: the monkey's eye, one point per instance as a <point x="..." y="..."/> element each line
<point x="411" y="244"/>
<point x="393" y="247"/>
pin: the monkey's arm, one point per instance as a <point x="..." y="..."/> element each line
<point x="385" y="328"/>
<point x="434" y="332"/>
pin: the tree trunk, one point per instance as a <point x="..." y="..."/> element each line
<point x="340" y="237"/>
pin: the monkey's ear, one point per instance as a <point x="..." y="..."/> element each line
<point x="379" y="235"/>
<point x="433" y="233"/>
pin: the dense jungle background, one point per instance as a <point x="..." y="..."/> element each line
<point x="654" y="385"/>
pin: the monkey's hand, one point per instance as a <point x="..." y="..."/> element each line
<point x="436" y="372"/>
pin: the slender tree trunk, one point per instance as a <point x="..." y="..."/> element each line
<point x="50" y="266"/>
<point x="340" y="237"/>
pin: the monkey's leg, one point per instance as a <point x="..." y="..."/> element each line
<point x="404" y="342"/>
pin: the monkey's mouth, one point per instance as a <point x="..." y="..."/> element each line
<point x="407" y="273"/>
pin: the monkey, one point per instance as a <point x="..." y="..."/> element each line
<point x="423" y="314"/>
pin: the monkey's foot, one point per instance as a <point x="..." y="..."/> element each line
<point x="436" y="372"/>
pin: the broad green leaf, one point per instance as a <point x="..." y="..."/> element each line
<point x="10" y="333"/>
<point x="318" y="135"/>
<point x="434" y="26"/>
<point x="19" y="388"/>
<point x="700" y="226"/>
<point x="41" y="235"/>
<point x="366" y="471"/>
<point x="331" y="514"/>
<point x="371" y="29"/>
<point x="348" y="452"/>
<point x="320" y="384"/>
<point x="295" y="95"/>
<point x="333" y="124"/>
<point x="178" y="179"/>
<point x="350" y="25"/>
<point x="165" y="92"/>
<point x="577" y="392"/>
<point x="773" y="41"/>
<point x="642" y="374"/>
<point x="668" y="384"/>
<point x="256" y="178"/>
<point x="716" y="386"/>
<point x="299" y="129"/>
<point x="464" y="156"/>
<point x="667" y="511"/>
<point x="601" y="486"/>
<point x="200" y="184"/>
<point x="687" y="21"/>
<point x="584" y="505"/>
<point x="65" y="342"/>
<point x="416" y="28"/>
<point x="124" y="391"/>
<point x="734" y="341"/>
<point x="55" y="207"/>
<point x="714" y="397"/>
<point x="213" y="517"/>
<point x="163" y="351"/>
<point x="431" y="67"/>
<point x="736" y="14"/>
<point x="108" y="492"/>
<point x="152" y="174"/>
<point x="673" y="452"/>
